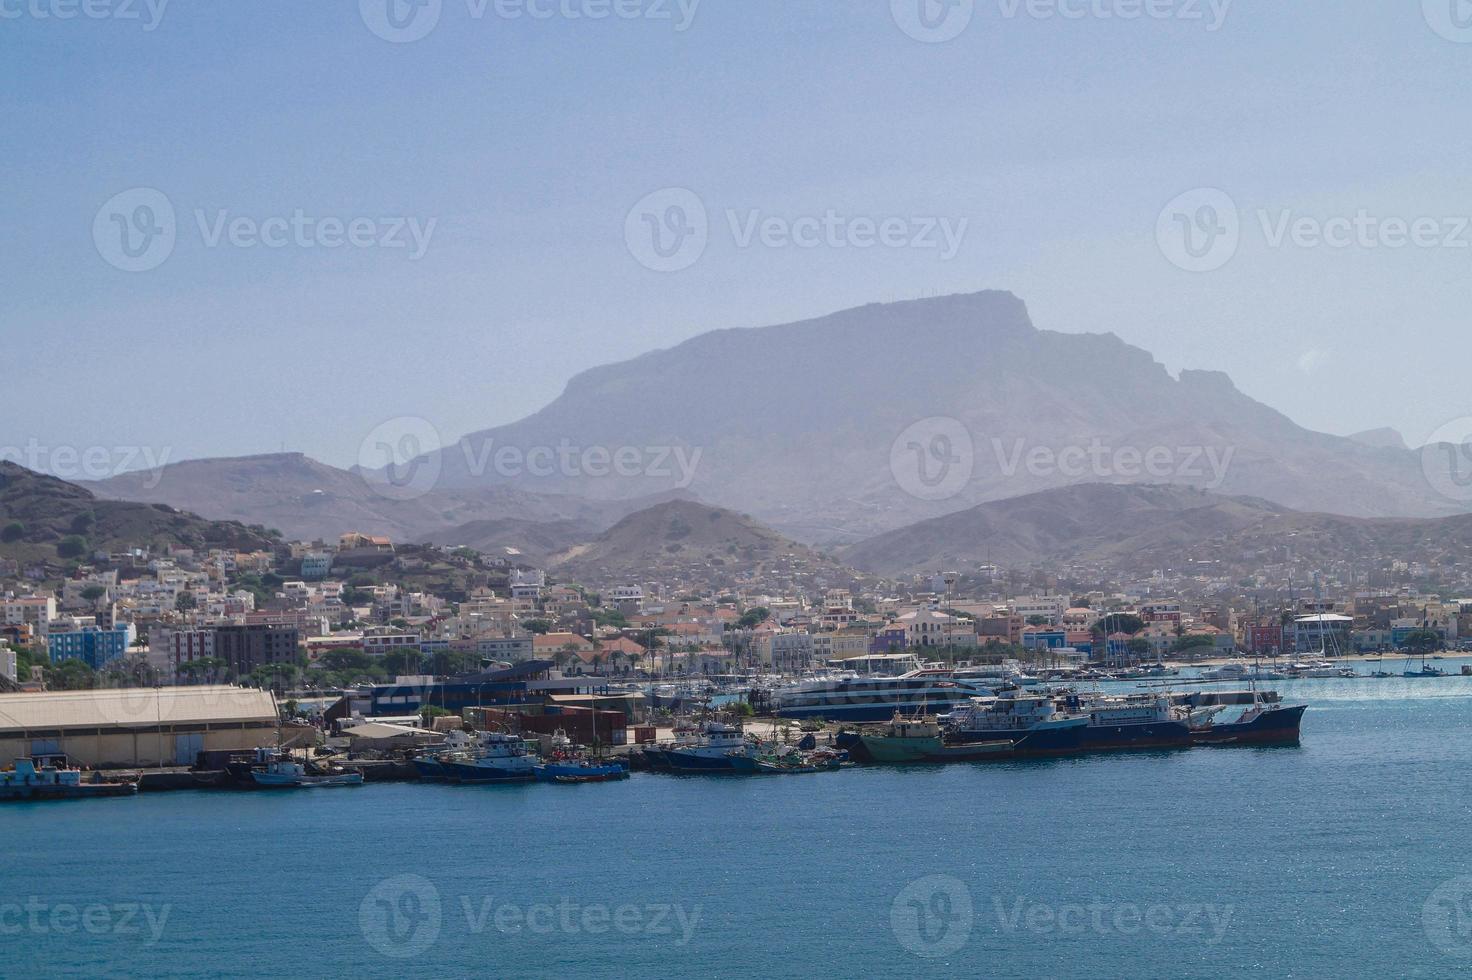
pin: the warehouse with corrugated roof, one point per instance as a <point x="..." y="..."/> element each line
<point x="130" y="728"/>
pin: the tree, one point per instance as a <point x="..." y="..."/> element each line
<point x="185" y="601"/>
<point x="12" y="532"/>
<point x="753" y="617"/>
<point x="1138" y="645"/>
<point x="1422" y="641"/>
<point x="540" y="626"/>
<point x="346" y="660"/>
<point x="71" y="546"/>
<point x="70" y="675"/>
<point x="403" y="660"/>
<point x="1037" y="620"/>
<point x="93" y="592"/>
<point x="1117" y="622"/>
<point x="1193" y="642"/>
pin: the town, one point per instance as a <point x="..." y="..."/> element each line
<point x="362" y="628"/>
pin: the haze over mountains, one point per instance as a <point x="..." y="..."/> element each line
<point x="835" y="429"/>
<point x="1140" y="528"/>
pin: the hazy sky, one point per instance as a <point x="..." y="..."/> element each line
<point x="1058" y="134"/>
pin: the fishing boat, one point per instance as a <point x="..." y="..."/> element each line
<point x="457" y="747"/>
<point x="276" y="770"/>
<point x="1031" y="723"/>
<point x="497" y="758"/>
<point x="717" y="748"/>
<point x="1242" y="718"/>
<point x="1130" y="721"/>
<point x="903" y="740"/>
<point x="41" y="779"/>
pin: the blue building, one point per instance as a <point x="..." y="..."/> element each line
<point x="92" y="646"/>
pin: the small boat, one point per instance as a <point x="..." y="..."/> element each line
<point x="795" y="760"/>
<point x="46" y="781"/>
<point x="581" y="771"/>
<point x="273" y="770"/>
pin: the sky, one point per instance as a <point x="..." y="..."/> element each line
<point x="236" y="228"/>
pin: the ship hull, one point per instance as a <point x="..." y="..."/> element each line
<point x="459" y="772"/>
<point x="1277" y="727"/>
<point x="1152" y="735"/>
<point x="695" y="762"/>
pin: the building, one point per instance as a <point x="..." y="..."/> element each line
<point x="792" y="651"/>
<point x="316" y="565"/>
<point x="135" y="727"/>
<point x="244" y="648"/>
<point x="8" y="665"/>
<point x="181" y="646"/>
<point x="510" y="649"/>
<point x="93" y="646"/>
<point x="36" y="612"/>
<point x="628" y="599"/>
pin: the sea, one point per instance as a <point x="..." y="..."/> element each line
<point x="1349" y="855"/>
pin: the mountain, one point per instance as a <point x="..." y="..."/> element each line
<point x="529" y="542"/>
<point x="835" y="429"/>
<point x="1386" y="438"/>
<point x="41" y="514"/>
<point x="689" y="544"/>
<point x="305" y="499"/>
<point x="1140" y="528"/>
<point x="840" y="427"/>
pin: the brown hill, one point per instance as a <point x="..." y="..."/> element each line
<point x="47" y="520"/>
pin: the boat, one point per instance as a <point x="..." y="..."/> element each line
<point x="792" y="759"/>
<point x="458" y="746"/>
<point x="922" y="739"/>
<point x="1130" y="721"/>
<point x="40" y="778"/>
<point x="581" y="771"/>
<point x="859" y="698"/>
<point x="716" y="748"/>
<point x="497" y="758"/>
<point x="1242" y="718"/>
<point x="1226" y="672"/>
<point x="275" y="770"/>
<point x="1030" y="723"/>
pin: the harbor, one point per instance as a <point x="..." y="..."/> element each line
<point x="758" y="855"/>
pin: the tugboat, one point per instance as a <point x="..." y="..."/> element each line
<point x="47" y="781"/>
<point x="273" y="770"/>
<point x="500" y="758"/>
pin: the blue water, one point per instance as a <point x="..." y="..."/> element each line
<point x="1338" y="858"/>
